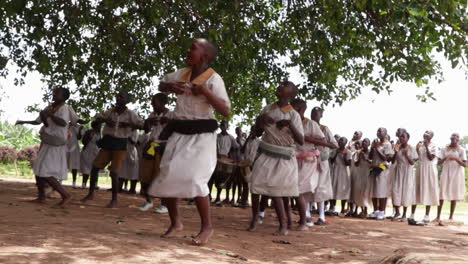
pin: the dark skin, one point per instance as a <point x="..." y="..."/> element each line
<point x="121" y="101"/>
<point x="96" y="131"/>
<point x="158" y="108"/>
<point x="379" y="203"/>
<point x="362" y="158"/>
<point x="454" y="140"/>
<point x="403" y="149"/>
<point x="430" y="156"/>
<point x="58" y="99"/>
<point x="198" y="58"/>
<point x="285" y="93"/>
<point x="341" y="150"/>
<point x="301" y="200"/>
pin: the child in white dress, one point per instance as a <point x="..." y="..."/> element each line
<point x="275" y="172"/>
<point x="452" y="178"/>
<point x="427" y="180"/>
<point x="404" y="182"/>
<point x="189" y="158"/>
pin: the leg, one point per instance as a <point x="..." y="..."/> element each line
<point x="375" y="204"/>
<point x="206" y="230"/>
<point x="453" y="204"/>
<point x="428" y="210"/>
<point x="301" y="204"/>
<point x="287" y="210"/>
<point x="382" y="204"/>
<point x="343" y="206"/>
<point x="133" y="184"/>
<point x="281" y="213"/>
<point x="439" y="210"/>
<point x="92" y="185"/>
<point x="228" y="189"/>
<point x="255" y="211"/>
<point x="332" y="205"/>
<point x="245" y="193"/>
<point x="210" y="184"/>
<point x="85" y="180"/>
<point x="41" y="196"/>
<point x="413" y="211"/>
<point x="115" y="190"/>
<point x="405" y="208"/>
<point x="74" y="176"/>
<point x="176" y="224"/>
<point x="56" y="185"/>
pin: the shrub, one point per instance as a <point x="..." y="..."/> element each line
<point x="28" y="154"/>
<point x="7" y="154"/>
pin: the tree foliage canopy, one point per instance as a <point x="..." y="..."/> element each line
<point x="340" y="47"/>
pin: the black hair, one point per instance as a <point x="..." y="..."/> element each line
<point x="297" y="101"/>
<point x="127" y="94"/>
<point x="404" y="132"/>
<point x="95" y="124"/>
<point x="161" y="97"/>
<point x="65" y="93"/>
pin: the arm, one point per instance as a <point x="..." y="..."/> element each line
<point x="218" y="104"/>
<point x="410" y="160"/>
<point x="347" y="160"/>
<point x="429" y="155"/>
<point x="32" y="122"/>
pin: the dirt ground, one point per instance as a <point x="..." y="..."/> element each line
<point x="32" y="233"/>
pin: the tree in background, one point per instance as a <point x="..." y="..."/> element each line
<point x="340" y="47"/>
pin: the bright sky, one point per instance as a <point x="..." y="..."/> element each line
<point x="366" y="113"/>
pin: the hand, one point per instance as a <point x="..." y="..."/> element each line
<point x="172" y="87"/>
<point x="152" y="121"/>
<point x="199" y="90"/>
<point x="110" y="123"/>
<point x="124" y="124"/>
<point x="283" y="123"/>
<point x="267" y="119"/>
<point x="18" y="123"/>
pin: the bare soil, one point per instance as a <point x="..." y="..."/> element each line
<point x="90" y="233"/>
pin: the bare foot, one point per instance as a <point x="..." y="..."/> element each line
<point x="173" y="229"/>
<point x="203" y="237"/>
<point x="283" y="231"/>
<point x="112" y="204"/>
<point x="302" y="228"/>
<point x="88" y="197"/>
<point x="253" y="226"/>
<point x="38" y="200"/>
<point x="65" y="201"/>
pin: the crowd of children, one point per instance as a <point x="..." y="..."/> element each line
<point x="288" y="159"/>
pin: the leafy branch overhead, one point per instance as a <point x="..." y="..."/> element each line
<point x="339" y="46"/>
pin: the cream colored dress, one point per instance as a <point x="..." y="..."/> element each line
<point x="341" y="180"/>
<point x="404" y="181"/>
<point x="88" y="154"/>
<point x="189" y="160"/>
<point x="130" y="166"/>
<point x="272" y="176"/>
<point x="324" y="190"/>
<point x="52" y="160"/>
<point x="452" y="178"/>
<point x="427" y="181"/>
<point x="378" y="187"/>
<point x="225" y="143"/>
<point x="308" y="174"/>
<point x="73" y="151"/>
<point x="359" y="178"/>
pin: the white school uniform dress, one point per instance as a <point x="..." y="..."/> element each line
<point x="452" y="178"/>
<point x="273" y="176"/>
<point x="341" y="180"/>
<point x="52" y="160"/>
<point x="308" y="171"/>
<point x="359" y="177"/>
<point x="324" y="190"/>
<point x="225" y="143"/>
<point x="404" y="180"/>
<point x="251" y="149"/>
<point x="378" y="187"/>
<point x="73" y="151"/>
<point x="88" y="154"/>
<point x="427" y="181"/>
<point x="130" y="166"/>
<point x="189" y="160"/>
